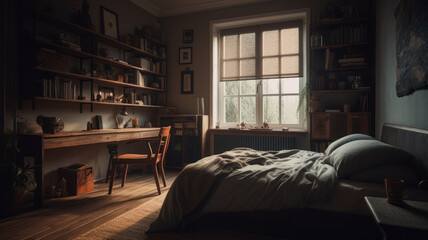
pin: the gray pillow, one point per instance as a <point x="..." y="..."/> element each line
<point x="358" y="155"/>
<point x="378" y="174"/>
<point x="339" y="142"/>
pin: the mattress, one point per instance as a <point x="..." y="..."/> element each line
<point x="348" y="197"/>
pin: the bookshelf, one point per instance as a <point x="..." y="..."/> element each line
<point x="341" y="79"/>
<point x="72" y="63"/>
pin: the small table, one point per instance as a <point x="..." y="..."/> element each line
<point x="408" y="220"/>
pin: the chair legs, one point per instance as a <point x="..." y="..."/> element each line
<point x="162" y="171"/>
<point x="112" y="176"/>
<point x="125" y="170"/>
<point x="155" y="174"/>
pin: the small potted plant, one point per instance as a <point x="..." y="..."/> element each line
<point x="19" y="178"/>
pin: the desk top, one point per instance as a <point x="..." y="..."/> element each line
<point x="410" y="214"/>
<point x="78" y="138"/>
<point x="92" y="132"/>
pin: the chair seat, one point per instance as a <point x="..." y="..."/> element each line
<point x="132" y="156"/>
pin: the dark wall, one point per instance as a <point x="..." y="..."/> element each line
<point x="409" y="110"/>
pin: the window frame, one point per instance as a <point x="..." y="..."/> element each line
<point x="217" y="89"/>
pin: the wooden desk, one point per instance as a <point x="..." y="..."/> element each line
<point x="35" y="145"/>
<point x="405" y="221"/>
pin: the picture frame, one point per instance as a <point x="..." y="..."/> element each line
<point x="187" y="81"/>
<point x="185" y="55"/>
<point x="109" y="23"/>
<point x="188" y="36"/>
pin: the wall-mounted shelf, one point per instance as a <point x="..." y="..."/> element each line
<point x="61" y="23"/>
<point x="59" y="81"/>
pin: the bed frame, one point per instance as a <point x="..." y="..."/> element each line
<point x="309" y="223"/>
<point x="412" y="140"/>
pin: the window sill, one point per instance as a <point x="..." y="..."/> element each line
<point x="292" y="132"/>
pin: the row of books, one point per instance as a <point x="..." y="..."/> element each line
<point x="352" y="62"/>
<point x="148" y="46"/>
<point x="146" y="64"/>
<point x="348" y="34"/>
<point x="59" y="88"/>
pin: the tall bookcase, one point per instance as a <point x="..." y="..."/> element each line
<point x="342" y="80"/>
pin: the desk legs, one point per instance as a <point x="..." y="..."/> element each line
<point x="33" y="146"/>
<point x="112" y="150"/>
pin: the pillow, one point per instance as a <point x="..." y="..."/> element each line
<point x="378" y="174"/>
<point x="339" y="142"/>
<point x="358" y="155"/>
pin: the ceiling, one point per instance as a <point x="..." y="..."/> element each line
<point x="166" y="8"/>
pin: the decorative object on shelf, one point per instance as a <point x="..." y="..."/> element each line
<point x="185" y="55"/>
<point x="109" y="23"/>
<point x="346" y="108"/>
<point x="123" y="113"/>
<point x="148" y="124"/>
<point x="96" y="70"/>
<point x="50" y="124"/>
<point x="119" y="77"/>
<point x="107" y="94"/>
<point x="317" y="40"/>
<point x="187" y="81"/>
<point x="411" y="37"/>
<point x="188" y="36"/>
<point x="134" y="122"/>
<point x="82" y="17"/>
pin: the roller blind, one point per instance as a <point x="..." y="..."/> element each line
<point x="266" y="51"/>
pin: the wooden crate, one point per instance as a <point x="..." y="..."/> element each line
<point x="79" y="177"/>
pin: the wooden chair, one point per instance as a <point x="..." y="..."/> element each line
<point x="155" y="159"/>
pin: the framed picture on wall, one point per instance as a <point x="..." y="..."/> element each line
<point x="185" y="55"/>
<point x="109" y="23"/>
<point x="187" y="81"/>
<point x="188" y="36"/>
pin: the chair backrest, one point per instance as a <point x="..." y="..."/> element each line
<point x="163" y="142"/>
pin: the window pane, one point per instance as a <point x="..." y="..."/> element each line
<point x="271" y="109"/>
<point x="290" y="85"/>
<point x="248" y="87"/>
<point x="289" y="113"/>
<point x="270" y="43"/>
<point x="231" y="88"/>
<point x="231" y="109"/>
<point x="270" y="66"/>
<point x="289" y="64"/>
<point x="271" y="86"/>
<point x="230" y="46"/>
<point x="248" y="109"/>
<point x="248" y="45"/>
<point x="248" y="67"/>
<point x="290" y="41"/>
<point x="230" y="68"/>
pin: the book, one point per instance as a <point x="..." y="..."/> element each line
<point x="332" y="110"/>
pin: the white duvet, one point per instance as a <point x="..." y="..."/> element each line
<point x="246" y="180"/>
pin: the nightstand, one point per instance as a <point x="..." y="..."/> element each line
<point x="403" y="221"/>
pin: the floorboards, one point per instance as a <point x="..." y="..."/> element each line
<point x="69" y="217"/>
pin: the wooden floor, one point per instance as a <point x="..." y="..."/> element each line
<point x="66" y="218"/>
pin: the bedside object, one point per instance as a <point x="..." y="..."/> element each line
<point x="408" y="220"/>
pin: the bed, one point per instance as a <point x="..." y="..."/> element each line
<point x="245" y="180"/>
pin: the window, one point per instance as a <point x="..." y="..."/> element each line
<point x="259" y="74"/>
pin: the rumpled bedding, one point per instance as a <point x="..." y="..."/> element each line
<point x="244" y="179"/>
